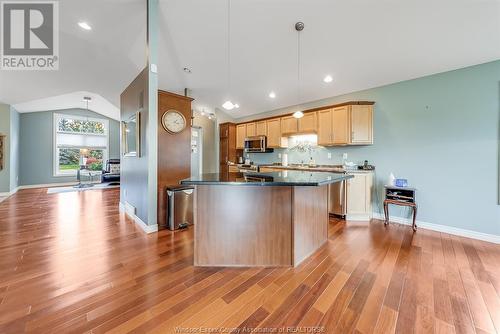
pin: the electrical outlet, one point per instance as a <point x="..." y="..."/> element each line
<point x="344" y="156"/>
<point x="248" y="156"/>
<point x="329" y="155"/>
<point x="279" y="155"/>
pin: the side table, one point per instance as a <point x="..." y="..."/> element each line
<point x="402" y="196"/>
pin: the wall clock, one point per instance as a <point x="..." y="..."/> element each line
<point x="173" y="121"/>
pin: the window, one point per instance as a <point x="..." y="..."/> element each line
<point x="79" y="141"/>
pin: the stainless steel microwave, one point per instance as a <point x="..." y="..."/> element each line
<point x="257" y="144"/>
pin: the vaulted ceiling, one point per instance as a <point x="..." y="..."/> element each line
<point x="360" y="43"/>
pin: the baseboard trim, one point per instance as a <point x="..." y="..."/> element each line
<point x="129" y="210"/>
<point x="359" y="217"/>
<point x="443" y="228"/>
<point x="48" y="185"/>
<point x="10" y="193"/>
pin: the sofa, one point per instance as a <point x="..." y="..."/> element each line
<point x="111" y="172"/>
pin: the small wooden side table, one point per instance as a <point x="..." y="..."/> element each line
<point x="402" y="196"/>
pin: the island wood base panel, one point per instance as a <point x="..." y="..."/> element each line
<point x="258" y="225"/>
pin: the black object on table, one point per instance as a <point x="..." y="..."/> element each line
<point x="402" y="196"/>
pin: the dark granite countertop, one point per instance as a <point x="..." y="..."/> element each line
<point x="285" y="178"/>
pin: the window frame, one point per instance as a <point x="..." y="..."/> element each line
<point x="55" y="130"/>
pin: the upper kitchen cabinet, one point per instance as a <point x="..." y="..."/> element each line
<point x="340" y="125"/>
<point x="346" y="125"/>
<point x="261" y="128"/>
<point x="251" y="130"/>
<point x="361" y="119"/>
<point x="325" y="127"/>
<point x="308" y="123"/>
<point x="241" y="134"/>
<point x="289" y="125"/>
<point x="273" y="133"/>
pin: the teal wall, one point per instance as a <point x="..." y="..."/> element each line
<point x="441" y="132"/>
<point x="14" y="148"/>
<point x="37" y="145"/>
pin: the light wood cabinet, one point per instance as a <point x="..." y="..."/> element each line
<point x="251" y="130"/>
<point x="289" y="125"/>
<point x="241" y="134"/>
<point x="361" y="119"/>
<point x="269" y="170"/>
<point x="359" y="196"/>
<point x="233" y="169"/>
<point x="325" y="127"/>
<point x="261" y="128"/>
<point x="273" y="133"/>
<point x="340" y="126"/>
<point x="348" y="124"/>
<point x="308" y="123"/>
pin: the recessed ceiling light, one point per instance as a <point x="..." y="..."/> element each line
<point x="298" y="114"/>
<point x="84" y="25"/>
<point x="228" y="105"/>
<point x="328" y="79"/>
<point x="272" y="95"/>
<point x="187" y="70"/>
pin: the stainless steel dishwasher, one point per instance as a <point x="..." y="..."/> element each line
<point x="337" y="197"/>
<point x="180" y="207"/>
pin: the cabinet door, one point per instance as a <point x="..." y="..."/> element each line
<point x="308" y="123"/>
<point x="359" y="198"/>
<point x="224" y="130"/>
<point x="361" y="124"/>
<point x="289" y="125"/>
<point x="241" y="133"/>
<point x="250" y="129"/>
<point x="325" y="129"/>
<point x="223" y="151"/>
<point x="261" y="128"/>
<point x="273" y="133"/>
<point x="340" y="118"/>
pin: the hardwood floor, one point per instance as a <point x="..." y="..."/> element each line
<point x="71" y="263"/>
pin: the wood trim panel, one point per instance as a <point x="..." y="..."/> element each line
<point x="243" y="226"/>
<point x="173" y="162"/>
<point x="310" y="221"/>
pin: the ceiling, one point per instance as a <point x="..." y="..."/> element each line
<point x="360" y="43"/>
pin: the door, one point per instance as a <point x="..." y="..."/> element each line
<point x="260" y="128"/>
<point x="251" y="129"/>
<point x="340" y="120"/>
<point x="241" y="133"/>
<point x="273" y="133"/>
<point x="325" y="124"/>
<point x="196" y="151"/>
<point x="361" y="124"/>
<point x="308" y="123"/>
<point x="289" y="125"/>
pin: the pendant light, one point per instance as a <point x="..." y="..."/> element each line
<point x="299" y="26"/>
<point x="229" y="105"/>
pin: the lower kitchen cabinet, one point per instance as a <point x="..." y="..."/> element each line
<point x="359" y="196"/>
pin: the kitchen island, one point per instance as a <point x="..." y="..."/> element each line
<point x="260" y="219"/>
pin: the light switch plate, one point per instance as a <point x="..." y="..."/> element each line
<point x="329" y="155"/>
<point x="279" y="155"/>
